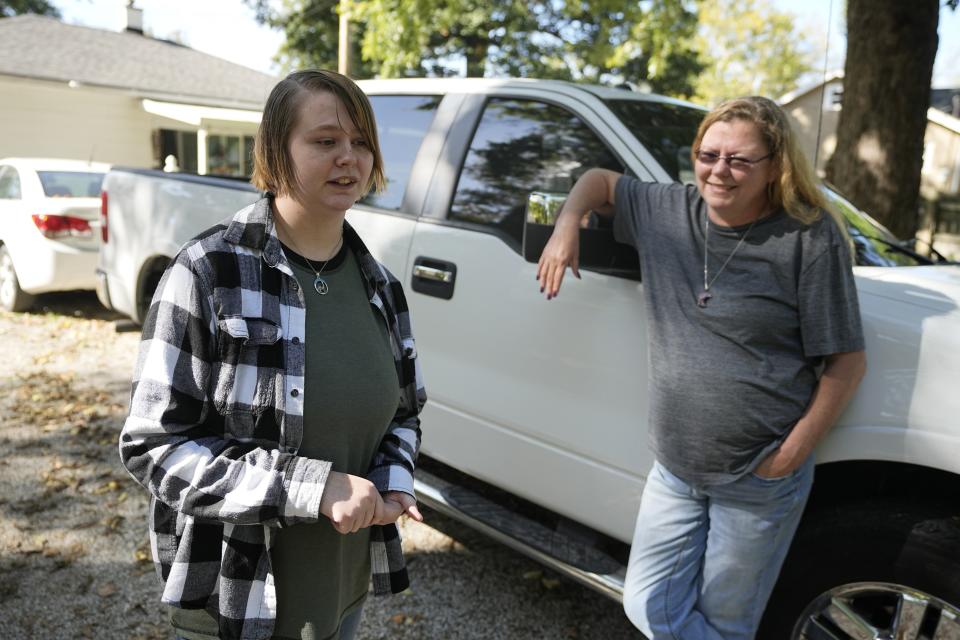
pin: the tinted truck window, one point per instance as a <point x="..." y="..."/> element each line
<point x="666" y="130"/>
<point x="522" y="146"/>
<point x="402" y="123"/>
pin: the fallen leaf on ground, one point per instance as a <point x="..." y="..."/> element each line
<point x="550" y="583"/>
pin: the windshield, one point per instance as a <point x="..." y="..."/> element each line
<point x="875" y="246"/>
<point x="666" y="130"/>
<point x="71" y="184"/>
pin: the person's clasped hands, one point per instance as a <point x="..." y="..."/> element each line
<point x="352" y="503"/>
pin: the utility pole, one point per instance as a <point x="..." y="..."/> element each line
<point x="343" y="45"/>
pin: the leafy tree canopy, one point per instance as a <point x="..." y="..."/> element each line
<point x="687" y="48"/>
<point x="589" y="40"/>
<point x="749" y="49"/>
<point x="312" y="28"/>
<point x="16" y="7"/>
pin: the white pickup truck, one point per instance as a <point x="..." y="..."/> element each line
<point x="535" y="430"/>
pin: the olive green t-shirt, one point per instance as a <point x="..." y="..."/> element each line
<point x="350" y="395"/>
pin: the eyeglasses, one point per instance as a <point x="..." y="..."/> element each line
<point x="736" y="163"/>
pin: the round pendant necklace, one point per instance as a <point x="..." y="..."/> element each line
<point x="705" y="295"/>
<point x="319" y="284"/>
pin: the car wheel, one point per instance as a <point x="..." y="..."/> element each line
<point x="12" y="297"/>
<point x="885" y="570"/>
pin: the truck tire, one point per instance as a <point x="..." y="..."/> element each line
<point x="852" y="568"/>
<point x="12" y="297"/>
<point x="149" y="282"/>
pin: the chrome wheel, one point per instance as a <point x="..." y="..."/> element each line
<point x="878" y="611"/>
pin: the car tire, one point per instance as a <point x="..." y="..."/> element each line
<point x="12" y="297"/>
<point x="860" y="564"/>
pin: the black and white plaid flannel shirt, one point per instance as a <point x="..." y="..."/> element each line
<point x="216" y="419"/>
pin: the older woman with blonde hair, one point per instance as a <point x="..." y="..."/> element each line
<point x="755" y="349"/>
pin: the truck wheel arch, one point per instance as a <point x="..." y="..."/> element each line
<point x="870" y="528"/>
<point x="860" y="561"/>
<point x="147" y="282"/>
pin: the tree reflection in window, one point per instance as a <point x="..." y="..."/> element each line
<point x="522" y="146"/>
<point x="402" y="124"/>
<point x="666" y="130"/>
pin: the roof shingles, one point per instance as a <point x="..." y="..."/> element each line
<point x="126" y="61"/>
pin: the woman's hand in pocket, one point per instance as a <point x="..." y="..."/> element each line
<point x="778" y="464"/>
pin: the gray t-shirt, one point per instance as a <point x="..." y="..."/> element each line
<point x="729" y="380"/>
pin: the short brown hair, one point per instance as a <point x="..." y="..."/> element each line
<point x="272" y="166"/>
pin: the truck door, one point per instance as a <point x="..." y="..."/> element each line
<point x="386" y="220"/>
<point x="545" y="399"/>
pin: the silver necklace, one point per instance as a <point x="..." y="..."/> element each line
<point x="705" y="295"/>
<point x="319" y="284"/>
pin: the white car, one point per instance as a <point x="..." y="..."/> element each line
<point x="49" y="227"/>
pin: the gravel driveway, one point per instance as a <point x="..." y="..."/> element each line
<point x="74" y="554"/>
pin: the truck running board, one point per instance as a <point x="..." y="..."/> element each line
<point x="561" y="553"/>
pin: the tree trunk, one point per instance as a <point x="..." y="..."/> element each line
<point x="891" y="45"/>
<point x="475" y="50"/>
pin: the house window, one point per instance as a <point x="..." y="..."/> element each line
<point x="182" y="145"/>
<point x="229" y="155"/>
<point x="833" y="97"/>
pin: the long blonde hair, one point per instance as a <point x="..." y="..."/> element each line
<point x="796" y="188"/>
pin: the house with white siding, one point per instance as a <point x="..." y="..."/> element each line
<point x="125" y="98"/>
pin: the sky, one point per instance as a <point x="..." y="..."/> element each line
<point x="227" y="29"/>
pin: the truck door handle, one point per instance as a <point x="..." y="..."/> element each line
<point x="432" y="273"/>
<point x="433" y="277"/>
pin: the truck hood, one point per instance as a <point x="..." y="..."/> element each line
<point x="933" y="287"/>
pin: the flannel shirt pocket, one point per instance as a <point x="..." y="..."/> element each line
<point x="246" y="373"/>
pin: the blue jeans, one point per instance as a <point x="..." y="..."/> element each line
<point x="704" y="560"/>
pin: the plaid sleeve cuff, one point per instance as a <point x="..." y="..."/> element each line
<point x="306" y="479"/>
<point x="392" y="478"/>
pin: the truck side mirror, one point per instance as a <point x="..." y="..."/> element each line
<point x="598" y="250"/>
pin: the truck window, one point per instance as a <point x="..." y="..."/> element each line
<point x="9" y="183"/>
<point x="402" y="124"/>
<point x="522" y="146"/>
<point x="667" y="130"/>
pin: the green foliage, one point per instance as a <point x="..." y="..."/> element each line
<point x="312" y="28"/>
<point x="16" y="7"/>
<point x="587" y="40"/>
<point x="750" y="49"/>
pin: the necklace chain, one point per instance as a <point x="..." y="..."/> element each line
<point x="705" y="295"/>
<point x="336" y="250"/>
<point x="319" y="284"/>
